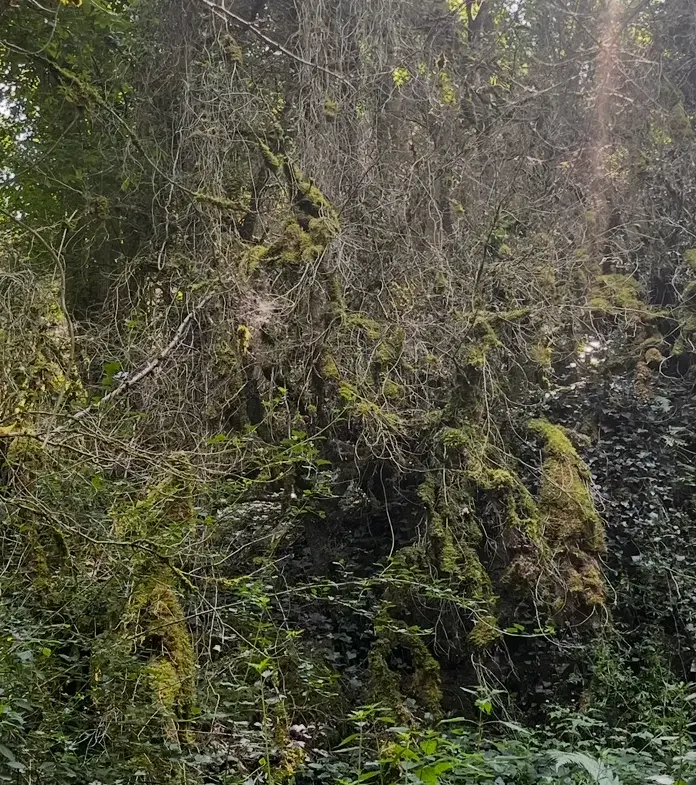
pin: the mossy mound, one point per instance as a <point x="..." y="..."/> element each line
<point x="571" y="530"/>
<point x="614" y="293"/>
<point x="403" y="671"/>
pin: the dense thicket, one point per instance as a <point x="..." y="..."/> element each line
<point x="346" y="391"/>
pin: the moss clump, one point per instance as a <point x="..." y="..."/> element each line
<point x="615" y="293"/>
<point x="369" y="327"/>
<point x="391" y="347"/>
<point x="367" y="410"/>
<point x="484" y="475"/>
<point x="455" y="537"/>
<point x="314" y="222"/>
<point x="455" y="438"/>
<point x="570" y="524"/>
<point x="329" y="369"/>
<point x="156" y="617"/>
<point x="273" y="160"/>
<point x="253" y="257"/>
<point x="485" y="339"/>
<point x="298" y="246"/>
<point x="392" y="390"/>
<point x="485" y="632"/>
<point x="690" y="258"/>
<point x="419" y="682"/>
<point x="331" y="109"/>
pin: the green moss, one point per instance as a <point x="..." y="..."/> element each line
<point x="455" y="438"/>
<point x="305" y="237"/>
<point x="421" y="683"/>
<point x="298" y="246"/>
<point x="363" y="408"/>
<point x="166" y="684"/>
<point x="331" y="109"/>
<point x="165" y="511"/>
<point x="322" y="230"/>
<point x="371" y="328"/>
<point x="221" y="202"/>
<point x="155" y="615"/>
<point x="571" y="526"/>
<point x="455" y="536"/>
<point x="329" y="369"/>
<point x="614" y="293"/>
<point x="392" y="389"/>
<point x="690" y="258"/>
<point x="482" y="473"/>
<point x="555" y="439"/>
<point x="485" y="632"/>
<point x="275" y="161"/>
<point x="253" y="257"/>
<point x="390" y="349"/>
<point x="688" y="297"/>
<point x="484" y="338"/>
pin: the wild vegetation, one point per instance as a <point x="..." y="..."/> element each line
<point x="347" y="361"/>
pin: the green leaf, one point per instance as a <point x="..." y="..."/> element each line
<point x="12" y="761"/>
<point x="600" y="773"/>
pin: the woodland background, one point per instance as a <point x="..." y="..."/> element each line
<point x="346" y="391"/>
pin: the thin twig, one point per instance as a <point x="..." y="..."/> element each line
<point x="220" y="10"/>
